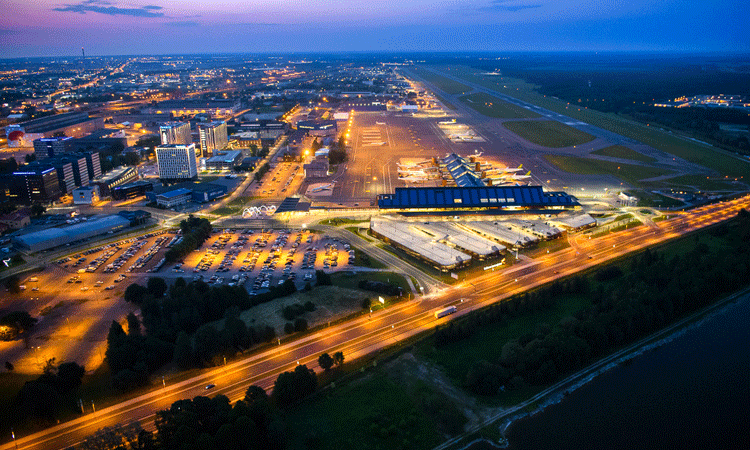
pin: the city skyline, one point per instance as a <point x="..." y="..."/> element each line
<point x="55" y="28"/>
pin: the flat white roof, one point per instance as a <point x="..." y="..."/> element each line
<point x="411" y="237"/>
<point x="462" y="238"/>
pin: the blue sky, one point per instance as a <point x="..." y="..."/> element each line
<point x="104" y="27"/>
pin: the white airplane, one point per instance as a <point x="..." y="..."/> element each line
<point x="376" y="143"/>
<point x="447" y="122"/>
<point x="413" y="179"/>
<point x="325" y="187"/>
<point x="412" y="172"/>
<point x="515" y="177"/>
<point x="379" y="123"/>
<point x="506" y="169"/>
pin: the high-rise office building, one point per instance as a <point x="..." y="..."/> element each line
<point x="175" y="133"/>
<point x="36" y="184"/>
<point x="50" y="147"/>
<point x="177" y="162"/>
<point x="213" y="137"/>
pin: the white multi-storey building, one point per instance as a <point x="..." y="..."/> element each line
<point x="175" y="133"/>
<point x="213" y="137"/>
<point x="176" y="161"/>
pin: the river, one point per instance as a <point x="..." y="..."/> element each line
<point x="691" y="392"/>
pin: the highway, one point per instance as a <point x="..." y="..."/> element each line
<point x="366" y="334"/>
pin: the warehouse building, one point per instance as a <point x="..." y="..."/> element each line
<point x="56" y="237"/>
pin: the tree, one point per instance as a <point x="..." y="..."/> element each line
<point x="19" y="320"/>
<point x="183" y="351"/>
<point x="291" y="387"/>
<point x="13" y="284"/>
<point x="135" y="293"/>
<point x="31" y="157"/>
<point x="300" y="324"/>
<point x="134" y="325"/>
<point x="37" y="210"/>
<point x="254" y="394"/>
<point x="9" y="366"/>
<point x="338" y="358"/>
<point x="325" y="361"/>
<point x="69" y="376"/>
<point x="156" y="286"/>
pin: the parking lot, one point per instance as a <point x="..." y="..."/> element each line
<point x="281" y="181"/>
<point x="261" y="259"/>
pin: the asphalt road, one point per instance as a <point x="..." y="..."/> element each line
<point x="365" y="334"/>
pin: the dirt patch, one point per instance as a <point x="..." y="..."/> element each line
<point x="331" y="303"/>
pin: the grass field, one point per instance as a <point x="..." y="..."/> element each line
<point x="702" y="182"/>
<point x="444" y="84"/>
<point x="620" y="151"/>
<point x="549" y="133"/>
<point x="667" y="142"/>
<point x="374" y="414"/>
<point x="494" y="107"/>
<point x="626" y="172"/>
<point x="349" y="280"/>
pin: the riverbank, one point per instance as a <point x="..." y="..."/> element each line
<point x="500" y="423"/>
<point x="526" y="430"/>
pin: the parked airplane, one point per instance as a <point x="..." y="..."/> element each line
<point x="506" y="169"/>
<point x="325" y="187"/>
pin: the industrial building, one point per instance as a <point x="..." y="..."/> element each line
<point x="177" y="162"/>
<point x="175" y="133"/>
<point x="225" y="160"/>
<point x="132" y="190"/>
<point x="199" y="192"/>
<point x="213" y="137"/>
<point x="318" y="127"/>
<point x="55" y="237"/>
<point x="174" y="198"/>
<point x="118" y="177"/>
<point x="182" y="107"/>
<point x="318" y="168"/>
<point x="474" y="200"/>
<point x="74" y="124"/>
<point x="86" y="195"/>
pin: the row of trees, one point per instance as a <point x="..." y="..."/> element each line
<point x="624" y="306"/>
<point x="195" y="231"/>
<point x="50" y="395"/>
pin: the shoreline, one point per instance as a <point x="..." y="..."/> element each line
<point x="560" y="390"/>
<point x="692" y="323"/>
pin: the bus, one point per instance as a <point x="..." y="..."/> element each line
<point x="444" y="312"/>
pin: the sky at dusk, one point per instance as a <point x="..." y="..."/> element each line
<point x="112" y="27"/>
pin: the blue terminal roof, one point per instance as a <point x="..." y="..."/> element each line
<point x="461" y="171"/>
<point x="474" y="197"/>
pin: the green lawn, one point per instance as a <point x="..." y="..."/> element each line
<point x="226" y="211"/>
<point x="446" y="85"/>
<point x="351" y="281"/>
<point x="362" y="259"/>
<point x="549" y="133"/>
<point x="620" y="151"/>
<point x="661" y="140"/>
<point x="703" y="182"/>
<point x="494" y="107"/>
<point x="377" y="413"/>
<point x="626" y="172"/>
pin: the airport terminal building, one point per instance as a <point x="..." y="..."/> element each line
<point x="474" y="200"/>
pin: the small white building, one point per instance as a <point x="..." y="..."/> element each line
<point x="86" y="195"/>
